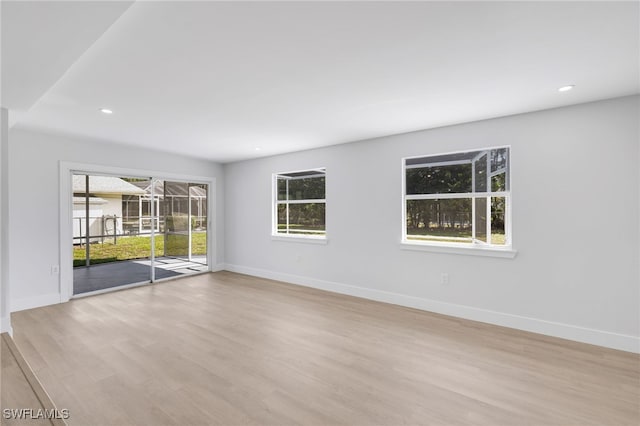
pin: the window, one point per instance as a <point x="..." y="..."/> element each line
<point x="299" y="204"/>
<point x="458" y="199"/>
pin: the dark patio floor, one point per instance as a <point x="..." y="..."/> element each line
<point x="116" y="274"/>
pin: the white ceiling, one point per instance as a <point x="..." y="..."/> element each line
<point x="41" y="40"/>
<point x="218" y="80"/>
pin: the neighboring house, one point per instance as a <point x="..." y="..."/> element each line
<point x="105" y="205"/>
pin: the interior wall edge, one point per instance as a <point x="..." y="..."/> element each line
<point x="5" y="325"/>
<point x="218" y="267"/>
<point x="5" y="293"/>
<point x="565" y="331"/>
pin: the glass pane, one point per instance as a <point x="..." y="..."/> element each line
<point x="499" y="159"/>
<point x="117" y="255"/>
<point x="481" y="174"/>
<point x="498" y="230"/>
<point x="282" y="218"/>
<point x="176" y="219"/>
<point x="198" y="207"/>
<point x="447" y="220"/>
<point x="499" y="182"/>
<point x="307" y="188"/>
<point x="439" y="179"/>
<point x="307" y="218"/>
<point x="183" y="221"/>
<point x="198" y="195"/>
<point x="481" y="219"/>
<point x="282" y="188"/>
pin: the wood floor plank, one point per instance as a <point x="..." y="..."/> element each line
<point x="225" y="348"/>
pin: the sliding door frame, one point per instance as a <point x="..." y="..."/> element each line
<point x="68" y="169"/>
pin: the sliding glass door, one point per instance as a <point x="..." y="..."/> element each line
<point x="109" y="247"/>
<point x="184" y="231"/>
<point x="130" y="230"/>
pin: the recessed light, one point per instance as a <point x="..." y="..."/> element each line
<point x="258" y="148"/>
<point x="106" y="111"/>
<point x="566" y="88"/>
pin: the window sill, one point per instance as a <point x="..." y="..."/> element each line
<point x="507" y="253"/>
<point x="300" y="239"/>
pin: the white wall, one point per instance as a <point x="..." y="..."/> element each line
<point x="34" y="162"/>
<point x="575" y="225"/>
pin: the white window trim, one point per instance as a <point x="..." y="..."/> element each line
<point x="309" y="239"/>
<point x="300" y="238"/>
<point x="453" y="248"/>
<point x="474" y="248"/>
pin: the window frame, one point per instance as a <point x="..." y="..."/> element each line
<point x="275" y="235"/>
<point x="474" y="247"/>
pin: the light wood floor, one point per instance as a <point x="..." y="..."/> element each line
<point x="225" y="348"/>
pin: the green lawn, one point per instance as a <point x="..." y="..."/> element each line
<point x="132" y="248"/>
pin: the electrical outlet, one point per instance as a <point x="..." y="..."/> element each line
<point x="444" y="278"/>
<point x="55" y="269"/>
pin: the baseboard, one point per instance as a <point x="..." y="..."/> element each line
<point x="34" y="302"/>
<point x="565" y="331"/>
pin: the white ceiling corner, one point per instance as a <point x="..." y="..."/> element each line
<point x="41" y="40"/>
